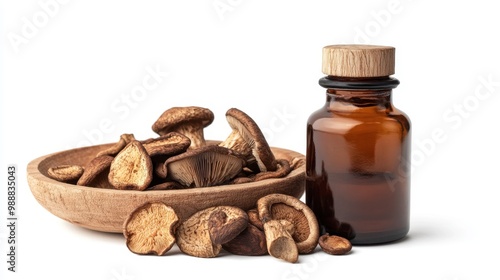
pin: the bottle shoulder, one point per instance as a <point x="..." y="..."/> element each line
<point x="341" y="121"/>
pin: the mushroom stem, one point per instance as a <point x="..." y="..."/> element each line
<point x="285" y="207"/>
<point x="195" y="135"/>
<point x="280" y="243"/>
<point x="235" y="142"/>
<point x="247" y="139"/>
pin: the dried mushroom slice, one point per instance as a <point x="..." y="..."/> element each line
<point x="188" y="121"/>
<point x="204" y="167"/>
<point x="150" y="229"/>
<point x="282" y="170"/>
<point x="96" y="173"/>
<point x="169" y="144"/>
<point x="118" y="146"/>
<point x="225" y="224"/>
<point x="247" y="139"/>
<point x="132" y="168"/>
<point x="202" y="233"/>
<point x="250" y="242"/>
<point x="289" y="208"/>
<point x="253" y="218"/>
<point x="65" y="173"/>
<point x="168" y="185"/>
<point x="334" y="245"/>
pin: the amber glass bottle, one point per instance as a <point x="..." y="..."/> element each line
<point x="358" y="148"/>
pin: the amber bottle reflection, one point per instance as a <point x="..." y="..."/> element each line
<point x="358" y="161"/>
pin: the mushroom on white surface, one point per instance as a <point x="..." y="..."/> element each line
<point x="150" y="229"/>
<point x="281" y="207"/>
<point x="203" y="233"/>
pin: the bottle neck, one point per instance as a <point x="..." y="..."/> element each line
<point x="357" y="93"/>
<point x="359" y="83"/>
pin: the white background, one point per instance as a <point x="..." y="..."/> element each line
<point x="68" y="69"/>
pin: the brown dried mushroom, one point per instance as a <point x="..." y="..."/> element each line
<point x="201" y="234"/>
<point x="250" y="242"/>
<point x="168" y="185"/>
<point x="96" y="173"/>
<point x="283" y="169"/>
<point x="132" y="168"/>
<point x="277" y="207"/>
<point x="204" y="167"/>
<point x="254" y="219"/>
<point x="65" y="173"/>
<point x="247" y="139"/>
<point x="280" y="243"/>
<point x="188" y="121"/>
<point x="118" y="146"/>
<point x="166" y="145"/>
<point x="334" y="245"/>
<point x="150" y="229"/>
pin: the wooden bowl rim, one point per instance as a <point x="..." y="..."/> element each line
<point x="33" y="170"/>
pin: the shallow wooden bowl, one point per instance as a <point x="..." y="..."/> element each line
<point x="106" y="209"/>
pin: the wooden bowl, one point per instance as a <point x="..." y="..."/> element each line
<point x="106" y="209"/>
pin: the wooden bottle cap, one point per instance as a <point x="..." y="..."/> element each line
<point x="358" y="60"/>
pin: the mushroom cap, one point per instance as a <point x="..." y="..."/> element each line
<point x="132" y="168"/>
<point x="286" y="207"/>
<point x="334" y="245"/>
<point x="194" y="116"/>
<point x="250" y="242"/>
<point x="204" y="167"/>
<point x="251" y="133"/>
<point x="168" y="144"/>
<point x="224" y="224"/>
<point x="200" y="235"/>
<point x="96" y="173"/>
<point x="66" y="173"/>
<point x="118" y="146"/>
<point x="150" y="229"/>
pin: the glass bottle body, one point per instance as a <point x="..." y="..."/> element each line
<point x="358" y="166"/>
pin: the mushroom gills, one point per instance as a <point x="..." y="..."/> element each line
<point x="204" y="169"/>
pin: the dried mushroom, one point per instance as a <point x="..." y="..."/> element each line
<point x="278" y="207"/>
<point x="96" y="173"/>
<point x="334" y="245"/>
<point x="201" y="234"/>
<point x="168" y="185"/>
<point x="250" y="242"/>
<point x="132" y="168"/>
<point x="280" y="243"/>
<point x="188" y="121"/>
<point x="247" y="139"/>
<point x="118" y="146"/>
<point x="150" y="229"/>
<point x="283" y="169"/>
<point x="253" y="218"/>
<point x="65" y="173"/>
<point x="180" y="157"/>
<point x="225" y="224"/>
<point x="204" y="167"/>
<point x="166" y="145"/>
